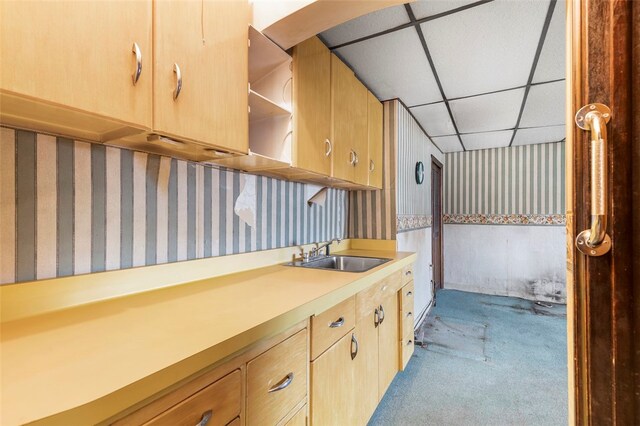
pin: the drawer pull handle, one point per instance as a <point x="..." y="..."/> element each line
<point x="376" y="317"/>
<point x="409" y="293"/>
<point x="136" y="74"/>
<point x="206" y="416"/>
<point x="408" y="272"/>
<point x="338" y="323"/>
<point x="178" y="89"/>
<point x="283" y="384"/>
<point x="381" y="314"/>
<point x="409" y="342"/>
<point x="409" y="314"/>
<point x="354" y="346"/>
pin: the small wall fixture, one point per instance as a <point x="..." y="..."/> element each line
<point x="419" y="172"/>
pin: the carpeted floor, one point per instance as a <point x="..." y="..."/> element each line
<point x="486" y="360"/>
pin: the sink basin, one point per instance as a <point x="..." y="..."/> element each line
<point x="341" y="263"/>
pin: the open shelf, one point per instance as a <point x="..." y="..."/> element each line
<point x="261" y="107"/>
<point x="264" y="55"/>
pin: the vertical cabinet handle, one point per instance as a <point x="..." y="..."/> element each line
<point x="594" y="118"/>
<point x="338" y="323"/>
<point x="381" y="314"/>
<point x="376" y="317"/>
<point x="353" y="158"/>
<point x="283" y="383"/>
<point x="204" y="420"/>
<point x="178" y="89"/>
<point x="329" y="147"/>
<point x="136" y="74"/>
<point x="372" y="166"/>
<point x="354" y="346"/>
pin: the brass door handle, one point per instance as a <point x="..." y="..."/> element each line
<point x="594" y="118"/>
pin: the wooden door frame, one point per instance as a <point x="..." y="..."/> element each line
<point x="437" y="164"/>
<point x="603" y="322"/>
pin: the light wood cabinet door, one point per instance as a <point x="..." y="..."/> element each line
<point x="312" y="107"/>
<point x="374" y="126"/>
<point x="366" y="370"/>
<point x="77" y="55"/>
<point x="388" y="337"/>
<point x="334" y="395"/>
<point x="205" y="43"/>
<point x="349" y="121"/>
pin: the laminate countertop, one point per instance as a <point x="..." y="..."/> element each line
<point x="87" y="363"/>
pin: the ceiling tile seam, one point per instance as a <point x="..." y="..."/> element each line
<point x="419" y="125"/>
<point x="489" y="93"/>
<point x="412" y="18"/>
<point x="498" y="130"/>
<point x="543" y="36"/>
<point x="502" y="147"/>
<point x="411" y="24"/>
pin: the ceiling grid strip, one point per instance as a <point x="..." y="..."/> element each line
<point x="543" y="36"/>
<point x="416" y="25"/>
<point x="414" y="22"/>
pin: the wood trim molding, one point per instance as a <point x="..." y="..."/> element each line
<point x="600" y="289"/>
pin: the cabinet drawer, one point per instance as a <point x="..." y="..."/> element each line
<point x="221" y="400"/>
<point x="277" y="380"/>
<point x="406" y="316"/>
<point x="407" y="296"/>
<point x="367" y="300"/>
<point x="329" y="326"/>
<point x="406" y="349"/>
<point x="407" y="273"/>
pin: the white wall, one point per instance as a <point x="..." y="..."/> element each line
<point x="419" y="241"/>
<point x="506" y="260"/>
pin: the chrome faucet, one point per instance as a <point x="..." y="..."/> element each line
<point x="317" y="248"/>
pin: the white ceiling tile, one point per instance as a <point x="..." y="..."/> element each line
<point x="487" y="112"/>
<point x="536" y="135"/>
<point x="394" y="66"/>
<point x="486" y="48"/>
<point x="422" y="8"/>
<point x="366" y="25"/>
<point x="447" y="143"/>
<point x="434" y="118"/>
<point x="545" y="105"/>
<point x="487" y="140"/>
<point x="551" y="64"/>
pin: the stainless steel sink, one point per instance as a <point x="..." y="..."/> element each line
<point x="341" y="263"/>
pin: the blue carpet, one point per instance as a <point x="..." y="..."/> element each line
<point x="486" y="360"/>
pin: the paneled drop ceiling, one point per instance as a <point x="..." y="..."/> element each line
<point x="475" y="74"/>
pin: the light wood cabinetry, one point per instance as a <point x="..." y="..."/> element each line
<point x="375" y="147"/>
<point x="407" y="323"/>
<point x="277" y="381"/>
<point x="367" y="364"/>
<point x="331" y="325"/>
<point x="299" y="418"/>
<point x="349" y="124"/>
<point x="334" y="395"/>
<point x="312" y="148"/>
<point x="219" y="402"/>
<point x="388" y="336"/>
<point x="67" y="67"/>
<point x="204" y="43"/>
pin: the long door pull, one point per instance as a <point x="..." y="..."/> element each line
<point x="594" y="118"/>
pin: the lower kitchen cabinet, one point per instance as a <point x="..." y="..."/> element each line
<point x="387" y="343"/>
<point x="334" y="389"/>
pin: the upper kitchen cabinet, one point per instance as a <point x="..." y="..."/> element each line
<point x="76" y="68"/>
<point x="201" y="72"/>
<point x="349" y="118"/>
<point x="375" y="114"/>
<point x="312" y="148"/>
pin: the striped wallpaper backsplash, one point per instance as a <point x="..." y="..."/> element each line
<point x="521" y="180"/>
<point x="71" y="207"/>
